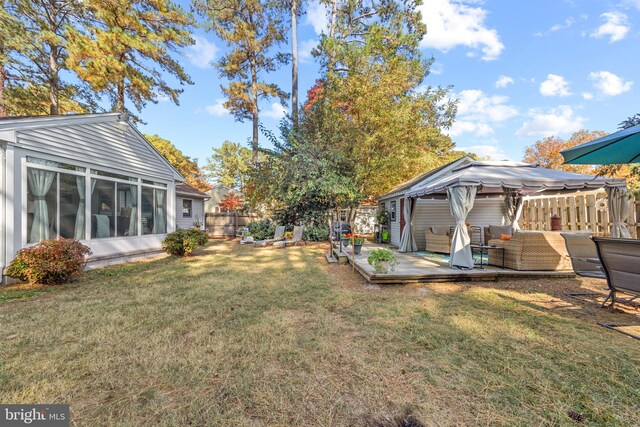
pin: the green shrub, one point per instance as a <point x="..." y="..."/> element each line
<point x="315" y="234"/>
<point x="261" y="230"/>
<point x="50" y="262"/>
<point x="184" y="241"/>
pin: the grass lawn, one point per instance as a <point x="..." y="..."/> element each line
<point x="240" y="336"/>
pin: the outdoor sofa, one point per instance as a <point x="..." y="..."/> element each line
<point x="532" y="250"/>
<point x="438" y="238"/>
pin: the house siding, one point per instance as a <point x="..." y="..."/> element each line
<point x="197" y="212"/>
<point x="394" y="226"/>
<point x="430" y="212"/>
<point x="101" y="144"/>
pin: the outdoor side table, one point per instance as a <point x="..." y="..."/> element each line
<point x="484" y="250"/>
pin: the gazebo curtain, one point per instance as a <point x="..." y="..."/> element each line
<point x="618" y="210"/>
<point x="513" y="206"/>
<point x="40" y="182"/>
<point x="407" y="241"/>
<point x="461" y="201"/>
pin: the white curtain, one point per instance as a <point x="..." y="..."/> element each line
<point x="618" y="198"/>
<point x="81" y="183"/>
<point x="407" y="241"/>
<point x="160" y="221"/>
<point x="133" y="221"/>
<point x="40" y="182"/>
<point x="513" y="206"/>
<point x="461" y="202"/>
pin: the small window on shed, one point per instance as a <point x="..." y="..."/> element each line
<point x="187" y="208"/>
<point x="392" y="211"/>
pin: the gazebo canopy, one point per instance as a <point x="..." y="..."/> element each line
<point x="495" y="176"/>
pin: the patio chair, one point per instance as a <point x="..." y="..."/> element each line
<point x="298" y="231"/>
<point x="584" y="255"/>
<point x="278" y="235"/>
<point x="620" y="263"/>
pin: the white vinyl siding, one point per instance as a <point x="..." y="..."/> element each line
<point x="101" y="144"/>
<point x="197" y="212"/>
<point x="430" y="212"/>
<point x="394" y="226"/>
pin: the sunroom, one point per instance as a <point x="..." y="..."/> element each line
<point x="93" y="178"/>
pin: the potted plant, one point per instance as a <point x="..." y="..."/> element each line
<point x="382" y="260"/>
<point x="358" y="241"/>
<point x="383" y="216"/>
<point x="345" y="239"/>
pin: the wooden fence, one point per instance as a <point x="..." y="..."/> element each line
<point x="585" y="211"/>
<point x="225" y="225"/>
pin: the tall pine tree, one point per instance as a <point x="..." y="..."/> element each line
<point x="127" y="48"/>
<point x="251" y="28"/>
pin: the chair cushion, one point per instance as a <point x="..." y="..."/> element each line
<point x="440" y="230"/>
<point x="505" y="237"/>
<point x="497" y="230"/>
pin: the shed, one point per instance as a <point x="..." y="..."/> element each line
<point x="91" y="177"/>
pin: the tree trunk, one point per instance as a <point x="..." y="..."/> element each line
<point x="294" y="63"/>
<point x="54" y="81"/>
<point x="352" y="218"/>
<point x="254" y="100"/>
<point x="120" y="96"/>
<point x="3" y="81"/>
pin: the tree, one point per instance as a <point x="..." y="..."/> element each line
<point x="294" y="8"/>
<point x="231" y="202"/>
<point x="250" y="28"/>
<point x="43" y="49"/>
<point x="229" y="165"/>
<point x="125" y="45"/>
<point x="546" y="152"/>
<point x="187" y="167"/>
<point x="630" y="121"/>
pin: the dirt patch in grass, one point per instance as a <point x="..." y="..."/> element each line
<point x="243" y="336"/>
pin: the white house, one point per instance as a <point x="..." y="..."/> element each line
<point x="189" y="206"/>
<point x="436" y="211"/>
<point x="91" y="177"/>
<point x="216" y="195"/>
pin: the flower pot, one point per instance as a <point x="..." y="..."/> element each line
<point x="357" y="248"/>
<point x="345" y="242"/>
<point x="381" y="267"/>
<point x="385" y="236"/>
<point x="556" y="223"/>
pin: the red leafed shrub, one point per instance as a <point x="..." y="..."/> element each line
<point x="50" y="262"/>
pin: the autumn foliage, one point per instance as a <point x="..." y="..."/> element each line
<point x="231" y="202"/>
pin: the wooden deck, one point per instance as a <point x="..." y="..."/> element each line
<point x="416" y="268"/>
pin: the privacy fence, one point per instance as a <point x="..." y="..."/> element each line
<point x="225" y="225"/>
<point x="586" y="211"/>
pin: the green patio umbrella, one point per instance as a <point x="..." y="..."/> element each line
<point x="617" y="148"/>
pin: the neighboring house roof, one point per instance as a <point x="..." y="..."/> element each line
<point x="218" y="192"/>
<point x="407" y="185"/>
<point x="105" y="139"/>
<point x="189" y="191"/>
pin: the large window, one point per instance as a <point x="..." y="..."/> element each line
<point x="59" y="204"/>
<point x="55" y="205"/>
<point x="154" y="211"/>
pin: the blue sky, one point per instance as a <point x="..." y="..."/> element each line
<point x="522" y="70"/>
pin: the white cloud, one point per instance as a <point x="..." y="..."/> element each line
<point x="317" y="17"/>
<point x="504" y="81"/>
<point x="557" y="27"/>
<point x="556" y="121"/>
<point x="276" y="112"/>
<point x="217" y="109"/>
<point x="555" y="85"/>
<point x="437" y="68"/>
<point x="305" y="48"/>
<point x="587" y="95"/>
<point x="452" y="23"/>
<point x="477" y="111"/>
<point x="489" y="151"/>
<point x="202" y="53"/>
<point x="616" y="27"/>
<point x="631" y="4"/>
<point x="609" y="84"/>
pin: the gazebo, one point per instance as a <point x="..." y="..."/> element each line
<point x="513" y="180"/>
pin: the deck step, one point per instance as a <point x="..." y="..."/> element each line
<point x="342" y="257"/>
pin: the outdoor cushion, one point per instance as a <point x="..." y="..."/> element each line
<point x="440" y="230"/>
<point x="498" y="230"/>
<point x="505" y="237"/>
